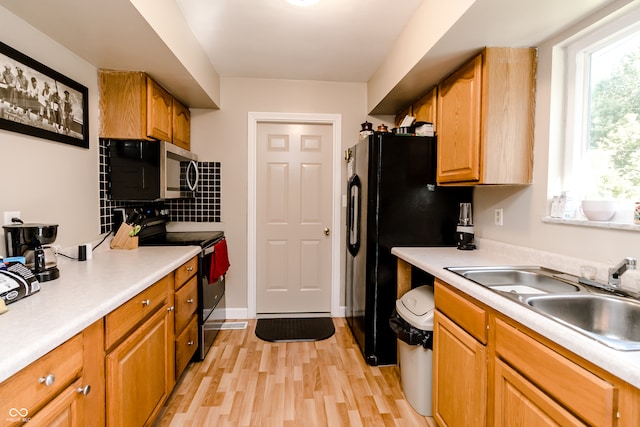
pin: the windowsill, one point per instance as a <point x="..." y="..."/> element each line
<point x="593" y="224"/>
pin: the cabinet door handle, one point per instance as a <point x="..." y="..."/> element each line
<point x="171" y="308"/>
<point x="84" y="390"/>
<point x="190" y="301"/>
<point x="48" y="380"/>
<point x="190" y="343"/>
<point x="146" y="302"/>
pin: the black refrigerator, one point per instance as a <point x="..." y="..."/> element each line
<point x="392" y="200"/>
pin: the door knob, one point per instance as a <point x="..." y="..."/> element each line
<point x="327" y="231"/>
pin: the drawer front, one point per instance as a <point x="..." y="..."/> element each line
<point x="186" y="346"/>
<point x="186" y="304"/>
<point x="122" y="320"/>
<point x="26" y="392"/>
<point x="185" y="271"/>
<point x="466" y="314"/>
<point x="586" y="395"/>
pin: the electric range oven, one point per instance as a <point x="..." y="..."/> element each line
<point x="211" y="301"/>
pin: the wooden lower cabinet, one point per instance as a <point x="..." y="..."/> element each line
<point x="65" y="387"/>
<point x="138" y="378"/>
<point x="459" y="377"/>
<point x="520" y="403"/>
<point x="64" y="410"/>
<point x="515" y="377"/>
<point x="586" y="395"/>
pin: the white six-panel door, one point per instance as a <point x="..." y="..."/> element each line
<point x="293" y="218"/>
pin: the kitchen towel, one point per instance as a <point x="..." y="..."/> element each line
<point x="220" y="261"/>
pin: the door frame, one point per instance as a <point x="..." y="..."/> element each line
<point x="254" y="118"/>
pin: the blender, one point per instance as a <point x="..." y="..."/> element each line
<point x="464" y="230"/>
<point x="29" y="241"/>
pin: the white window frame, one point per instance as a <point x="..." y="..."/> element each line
<point x="576" y="57"/>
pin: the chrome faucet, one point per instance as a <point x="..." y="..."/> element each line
<point x="618" y="270"/>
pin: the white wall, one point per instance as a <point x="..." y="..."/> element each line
<point x="524" y="207"/>
<point x="51" y="182"/>
<point x="221" y="135"/>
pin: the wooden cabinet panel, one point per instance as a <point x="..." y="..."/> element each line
<point x="459" y="103"/>
<point x="585" y="394"/>
<point x="520" y="403"/>
<point x="465" y="313"/>
<point x="181" y="125"/>
<point x="64" y="410"/>
<point x="186" y="345"/>
<point x="460" y="375"/>
<point x="425" y="108"/>
<point x="44" y="379"/>
<point x="93" y="375"/>
<point x="159" y="112"/>
<point x="120" y="321"/>
<point x="185" y="271"/>
<point x="186" y="303"/>
<point x="140" y="373"/>
<point x="123" y="104"/>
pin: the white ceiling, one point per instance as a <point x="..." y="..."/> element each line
<point x="332" y="40"/>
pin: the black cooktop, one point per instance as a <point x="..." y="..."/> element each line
<point x="184" y="238"/>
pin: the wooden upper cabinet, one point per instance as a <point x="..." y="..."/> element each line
<point x="424" y="109"/>
<point x="485" y="114"/>
<point x="134" y="106"/>
<point x="181" y="125"/>
<point x="123" y="104"/>
<point x="159" y="112"/>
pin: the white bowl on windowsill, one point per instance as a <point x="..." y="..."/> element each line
<point x="598" y="210"/>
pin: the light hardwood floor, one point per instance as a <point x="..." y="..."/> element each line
<point x="245" y="381"/>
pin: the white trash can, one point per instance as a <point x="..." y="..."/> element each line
<point x="416" y="308"/>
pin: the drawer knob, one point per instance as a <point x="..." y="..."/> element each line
<point x="171" y="308"/>
<point x="84" y="390"/>
<point x="146" y="302"/>
<point x="189" y="269"/>
<point x="48" y="380"/>
<point x="190" y="343"/>
<point x="190" y="301"/>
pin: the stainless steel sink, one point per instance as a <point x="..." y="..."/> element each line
<point x="517" y="280"/>
<point x="612" y="320"/>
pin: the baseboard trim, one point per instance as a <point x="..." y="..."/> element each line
<point x="243" y="313"/>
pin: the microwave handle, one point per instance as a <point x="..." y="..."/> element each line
<point x="192" y="186"/>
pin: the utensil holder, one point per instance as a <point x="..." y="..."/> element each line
<point x="122" y="239"/>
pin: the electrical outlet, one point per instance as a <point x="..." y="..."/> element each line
<point x="10" y="214"/>
<point x="498" y="217"/>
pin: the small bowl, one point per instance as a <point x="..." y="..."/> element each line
<point x="598" y="210"/>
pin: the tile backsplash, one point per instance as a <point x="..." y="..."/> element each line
<point x="205" y="207"/>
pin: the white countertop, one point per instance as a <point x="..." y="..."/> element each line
<point x="623" y="364"/>
<point x="85" y="292"/>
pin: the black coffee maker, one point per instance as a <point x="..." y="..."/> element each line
<point x="30" y="241"/>
<point x="464" y="231"/>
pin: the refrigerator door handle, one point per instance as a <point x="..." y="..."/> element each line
<point x="353" y="215"/>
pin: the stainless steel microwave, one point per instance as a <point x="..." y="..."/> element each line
<point x="150" y="170"/>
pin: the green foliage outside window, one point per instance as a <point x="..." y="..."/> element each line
<point x="613" y="155"/>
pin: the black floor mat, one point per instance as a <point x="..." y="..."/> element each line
<point x="295" y="329"/>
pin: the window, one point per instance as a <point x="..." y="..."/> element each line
<point x="602" y="143"/>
